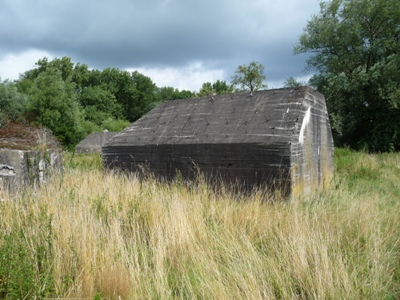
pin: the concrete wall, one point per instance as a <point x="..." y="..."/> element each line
<point x="94" y="142"/>
<point x="312" y="153"/>
<point x="18" y="168"/>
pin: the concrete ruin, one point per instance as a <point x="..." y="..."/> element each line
<point x="280" y="139"/>
<point x="19" y="168"/>
<point x="28" y="156"/>
<point x="94" y="142"/>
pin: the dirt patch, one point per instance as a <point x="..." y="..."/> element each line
<point x="26" y="137"/>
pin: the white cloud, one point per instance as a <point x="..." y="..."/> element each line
<point x="190" y="77"/>
<point x="12" y="65"/>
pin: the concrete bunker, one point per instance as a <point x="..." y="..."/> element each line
<point x="278" y="138"/>
<point x="94" y="142"/>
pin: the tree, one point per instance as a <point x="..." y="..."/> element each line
<point x="355" y="46"/>
<point x="291" y="82"/>
<point x="92" y="99"/>
<point x="166" y="93"/>
<point x="12" y="103"/>
<point x="81" y="76"/>
<point x="185" y="94"/>
<point x="64" y="65"/>
<point x="249" y="77"/>
<point x="170" y="93"/>
<point x="143" y="96"/>
<point x="206" y="89"/>
<point x="134" y="92"/>
<point x="218" y="88"/>
<point x="99" y="105"/>
<point x="221" y="87"/>
<point x="53" y="104"/>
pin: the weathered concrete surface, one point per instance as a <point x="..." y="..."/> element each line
<point x="94" y="142"/>
<point x="18" y="168"/>
<point x="276" y="138"/>
<point x="28" y="155"/>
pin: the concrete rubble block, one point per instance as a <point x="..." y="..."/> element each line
<point x="19" y="168"/>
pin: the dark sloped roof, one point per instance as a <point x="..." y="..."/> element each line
<point x="265" y="117"/>
<point x="94" y="141"/>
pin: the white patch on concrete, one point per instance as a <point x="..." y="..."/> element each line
<point x="42" y="168"/>
<point x="306" y="120"/>
<point x="6" y="170"/>
<point x="21" y="154"/>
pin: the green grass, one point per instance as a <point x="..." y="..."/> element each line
<point x="82" y="161"/>
<point x="363" y="173"/>
<point x="95" y="235"/>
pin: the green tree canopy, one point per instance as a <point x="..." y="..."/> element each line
<point x="355" y="46"/>
<point x="133" y="91"/>
<point x="64" y="65"/>
<point x="185" y="94"/>
<point x="219" y="87"/>
<point x="249" y="77"/>
<point x="142" y="98"/>
<point x="206" y="89"/>
<point x="12" y="102"/>
<point x="99" y="104"/>
<point x="53" y="104"/>
<point x="105" y="98"/>
<point x="170" y="93"/>
<point x="291" y="82"/>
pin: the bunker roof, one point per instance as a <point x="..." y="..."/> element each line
<point x="264" y="117"/>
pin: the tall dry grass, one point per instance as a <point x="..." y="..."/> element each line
<point x="91" y="234"/>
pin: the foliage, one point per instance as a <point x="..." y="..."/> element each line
<point x="249" y="77"/>
<point x="99" y="104"/>
<point x="90" y="100"/>
<point x="53" y="104"/>
<point x="170" y="93"/>
<point x="111" y="124"/>
<point x="206" y="89"/>
<point x="355" y="46"/>
<point x="291" y="82"/>
<point x="218" y="88"/>
<point x="143" y="99"/>
<point x="134" y="92"/>
<point x="12" y="103"/>
<point x="221" y="87"/>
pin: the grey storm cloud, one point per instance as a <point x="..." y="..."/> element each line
<point x="167" y="33"/>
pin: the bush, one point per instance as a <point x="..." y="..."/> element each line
<point x="12" y="103"/>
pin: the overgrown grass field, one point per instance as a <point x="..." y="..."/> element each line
<point x="92" y="235"/>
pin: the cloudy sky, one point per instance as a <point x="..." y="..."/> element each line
<point x="178" y="43"/>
